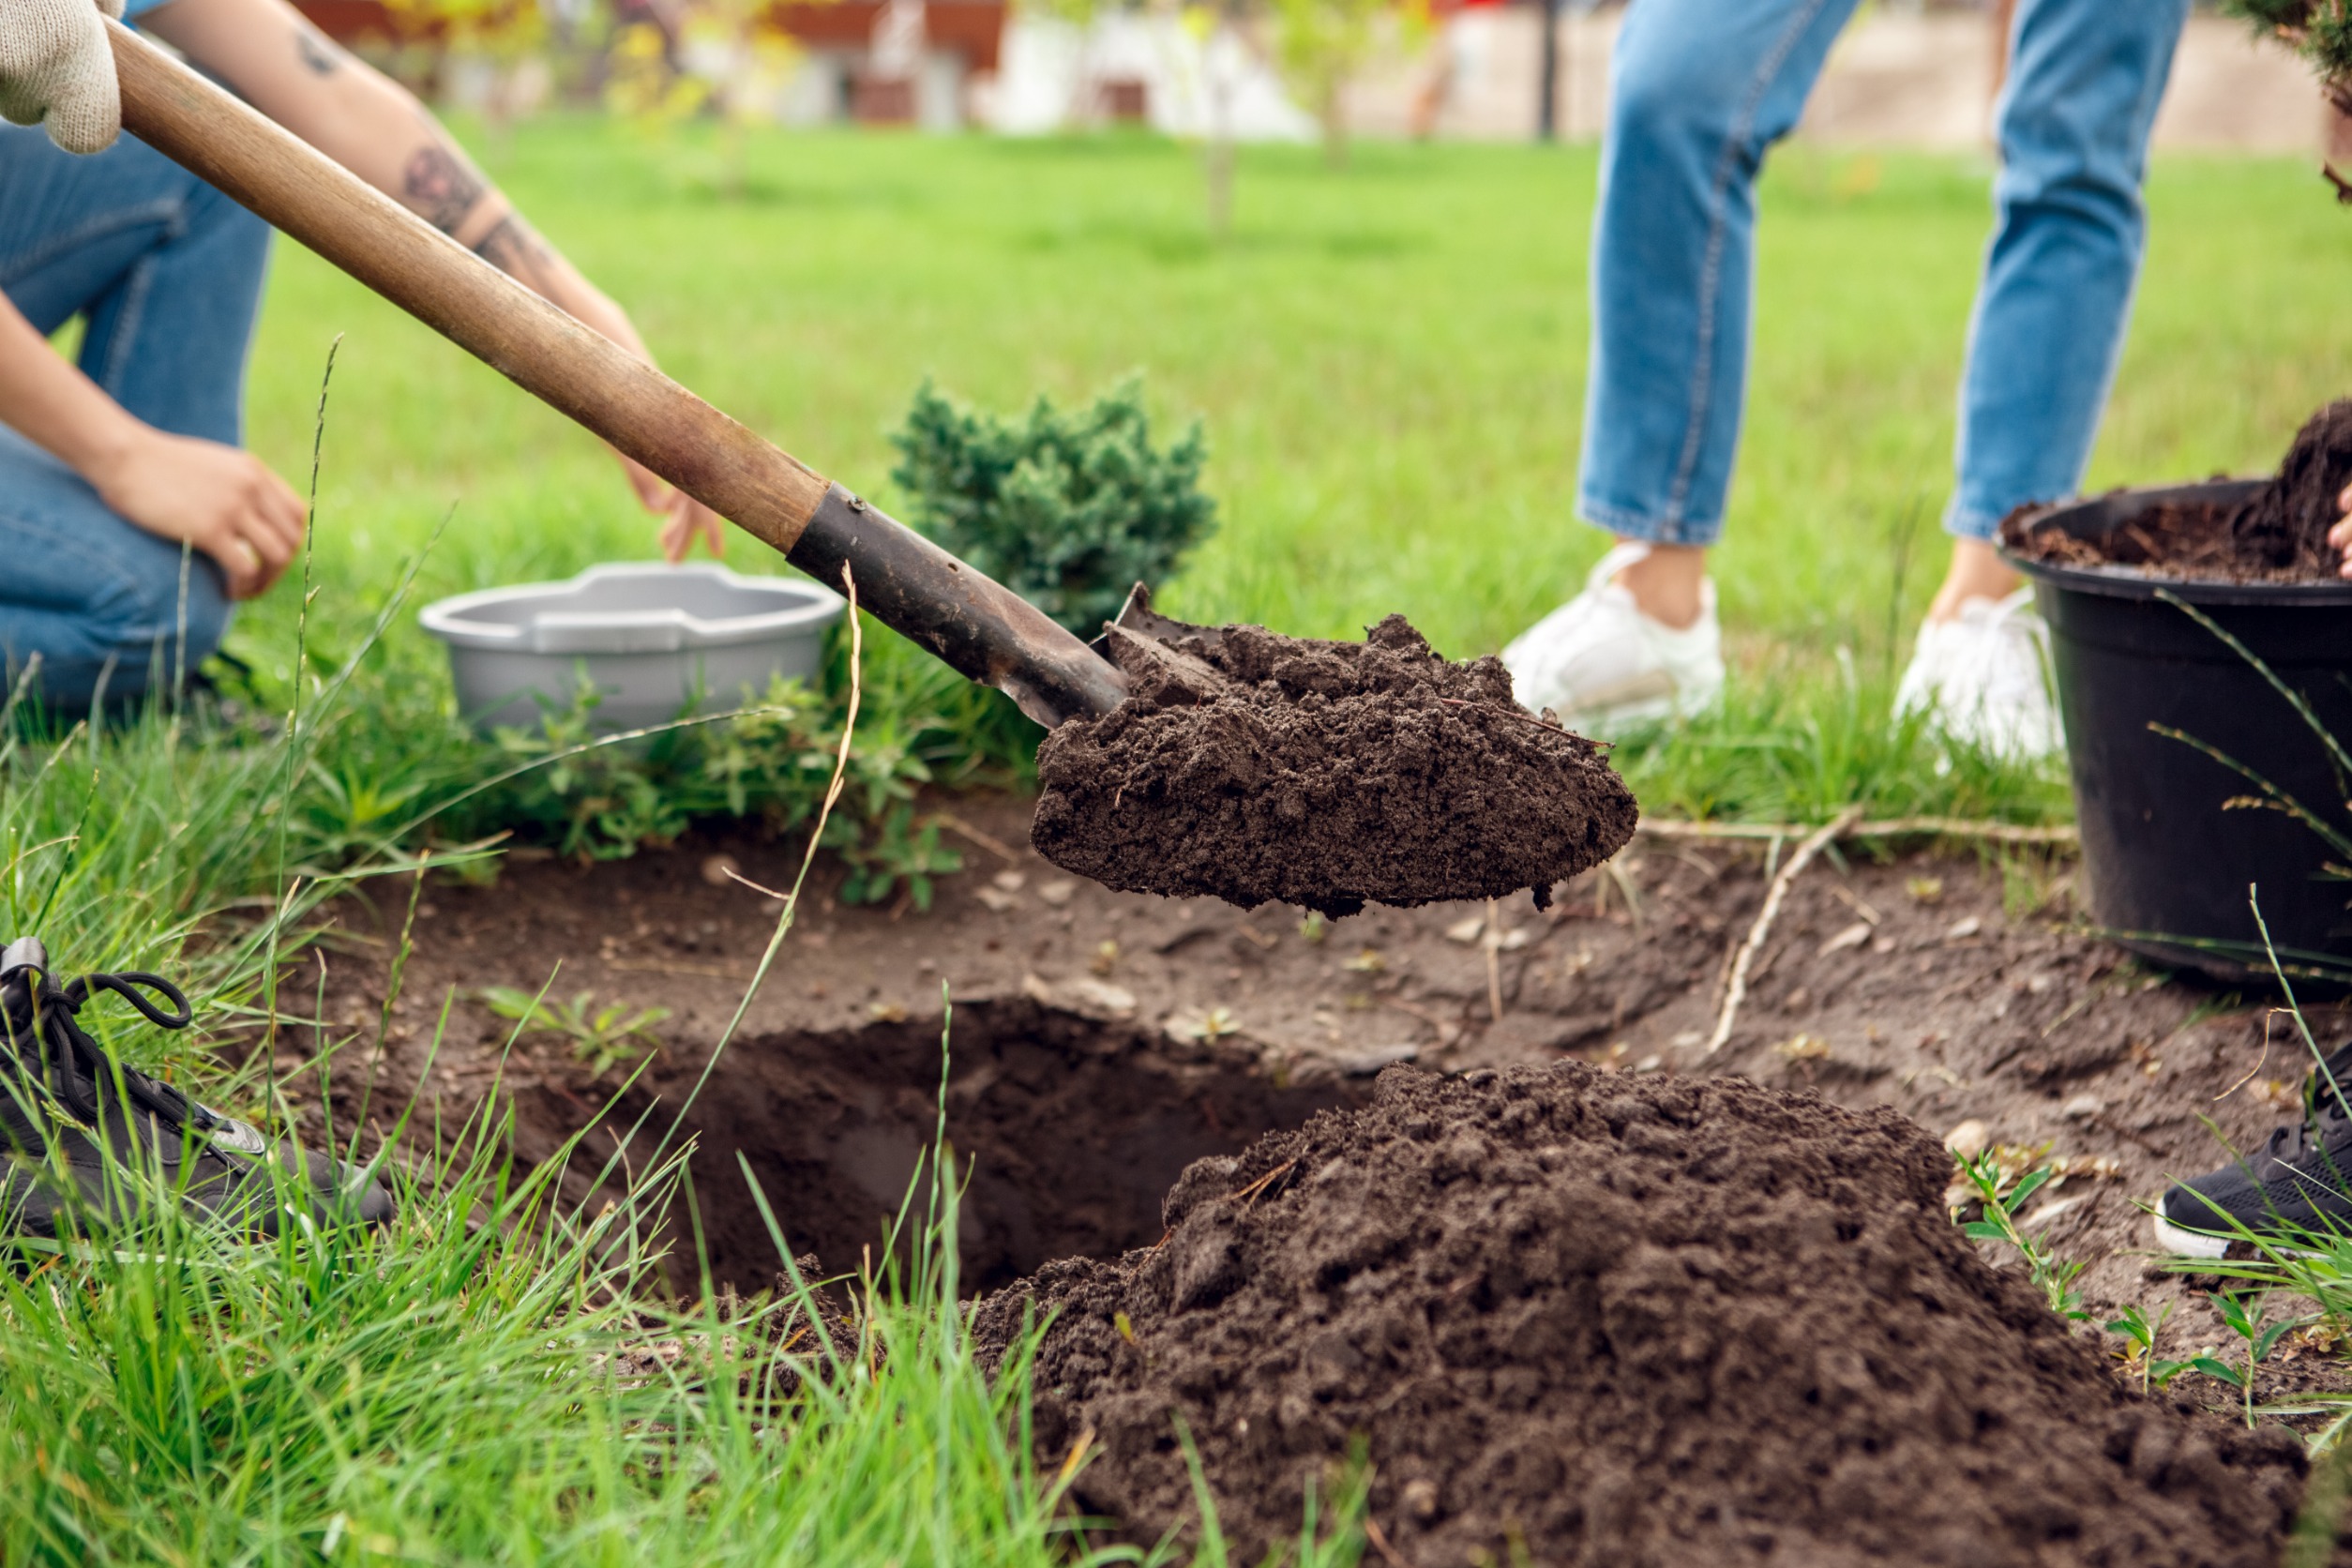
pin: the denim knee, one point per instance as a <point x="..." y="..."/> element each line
<point x="147" y="626"/>
<point x="1675" y="102"/>
<point x="93" y="598"/>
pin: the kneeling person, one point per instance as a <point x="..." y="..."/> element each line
<point x="130" y="518"/>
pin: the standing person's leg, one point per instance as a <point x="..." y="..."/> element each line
<point x="2085" y="80"/>
<point x="1698" y="91"/>
<point x="167" y="273"/>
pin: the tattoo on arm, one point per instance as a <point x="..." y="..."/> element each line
<point x="440" y="186"/>
<point x="513" y="248"/>
<point x="316" y="52"/>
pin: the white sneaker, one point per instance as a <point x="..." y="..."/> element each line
<point x="1983" y="676"/>
<point x="1600" y="663"/>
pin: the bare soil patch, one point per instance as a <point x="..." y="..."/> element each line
<point x="1597" y="1318"/>
<point x="1105" y="1040"/>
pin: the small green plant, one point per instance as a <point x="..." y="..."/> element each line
<point x="600" y="1036"/>
<point x="2002" y="1198"/>
<point x="772" y="759"/>
<point x="896" y="851"/>
<point x="2257" y="1334"/>
<point x="1068" y="509"/>
<point x="2138" y="1354"/>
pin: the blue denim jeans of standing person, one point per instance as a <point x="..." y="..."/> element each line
<point x="166" y="272"/>
<point x="1700" y="90"/>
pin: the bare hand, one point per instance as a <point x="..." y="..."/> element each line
<point x="683" y="518"/>
<point x="2340" y="534"/>
<point x="222" y="501"/>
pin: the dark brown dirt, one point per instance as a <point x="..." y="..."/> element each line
<point x="1950" y="986"/>
<point x="2279" y="535"/>
<point x="1326" y="775"/>
<point x="1590" y="1317"/>
<point x="1072" y="1131"/>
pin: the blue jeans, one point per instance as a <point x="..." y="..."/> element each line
<point x="1700" y="89"/>
<point x="167" y="274"/>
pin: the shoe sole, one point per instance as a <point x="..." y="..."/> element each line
<point x="2198" y="1243"/>
<point x="2190" y="1243"/>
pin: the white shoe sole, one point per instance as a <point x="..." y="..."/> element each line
<point x="2192" y="1244"/>
<point x="2189" y="1244"/>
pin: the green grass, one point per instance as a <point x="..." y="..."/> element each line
<point x="1388" y="362"/>
<point x="488" y="1381"/>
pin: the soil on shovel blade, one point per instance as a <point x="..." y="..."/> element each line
<point x="1260" y="768"/>
<point x="1592" y="1317"/>
<point x="2278" y="534"/>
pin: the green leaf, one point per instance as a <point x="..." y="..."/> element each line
<point x="2030" y="1185"/>
<point x="2234" y="1377"/>
<point x="2233" y="1311"/>
<point x="2271" y="1335"/>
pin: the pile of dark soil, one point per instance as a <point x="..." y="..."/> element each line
<point x="1261" y="768"/>
<point x="1600" y="1317"/>
<point x="2278" y="534"/>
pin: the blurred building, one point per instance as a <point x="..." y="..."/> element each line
<point x="892" y="62"/>
<point x="1909" y="73"/>
<point x="1904" y="75"/>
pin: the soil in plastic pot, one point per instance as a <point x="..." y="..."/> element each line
<point x="2278" y="534"/>
<point x="1594" y="1317"/>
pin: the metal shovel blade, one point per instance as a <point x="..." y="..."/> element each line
<point x="1144" y="645"/>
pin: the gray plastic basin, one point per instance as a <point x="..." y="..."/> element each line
<point x="653" y="638"/>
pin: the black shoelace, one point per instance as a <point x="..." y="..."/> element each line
<point x="49" y="1052"/>
<point x="2326" y="1114"/>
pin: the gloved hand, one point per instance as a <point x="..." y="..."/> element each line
<point x="57" y="67"/>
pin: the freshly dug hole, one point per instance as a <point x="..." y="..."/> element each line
<point x="1598" y="1318"/>
<point x="1265" y="768"/>
<point x="1071" y="1131"/>
<point x="2278" y="534"/>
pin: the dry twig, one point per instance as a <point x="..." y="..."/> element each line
<point x="995" y="846"/>
<point x="1250" y="1194"/>
<point x="1494" y="961"/>
<point x="1379" y="1540"/>
<point x="1737" y="991"/>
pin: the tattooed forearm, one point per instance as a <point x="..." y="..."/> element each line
<point x="440" y="186"/>
<point x="513" y="248"/>
<point x="321" y="57"/>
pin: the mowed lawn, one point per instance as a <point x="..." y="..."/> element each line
<point x="1388" y="361"/>
<point x="1389" y="358"/>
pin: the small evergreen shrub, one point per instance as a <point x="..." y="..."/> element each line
<point x="1068" y="509"/>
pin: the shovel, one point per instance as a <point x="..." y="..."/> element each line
<point x="976" y="626"/>
<point x="1452" y="836"/>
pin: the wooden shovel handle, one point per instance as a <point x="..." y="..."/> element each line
<point x="572" y="367"/>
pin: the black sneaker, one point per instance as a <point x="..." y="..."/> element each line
<point x="2298" y="1186"/>
<point x="70" y="1112"/>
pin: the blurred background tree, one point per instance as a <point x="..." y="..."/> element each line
<point x="502" y="43"/>
<point x="1321" y="46"/>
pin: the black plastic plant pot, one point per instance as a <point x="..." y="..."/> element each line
<point x="2154" y="701"/>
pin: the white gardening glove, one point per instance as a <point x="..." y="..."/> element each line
<point x="57" y="67"/>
